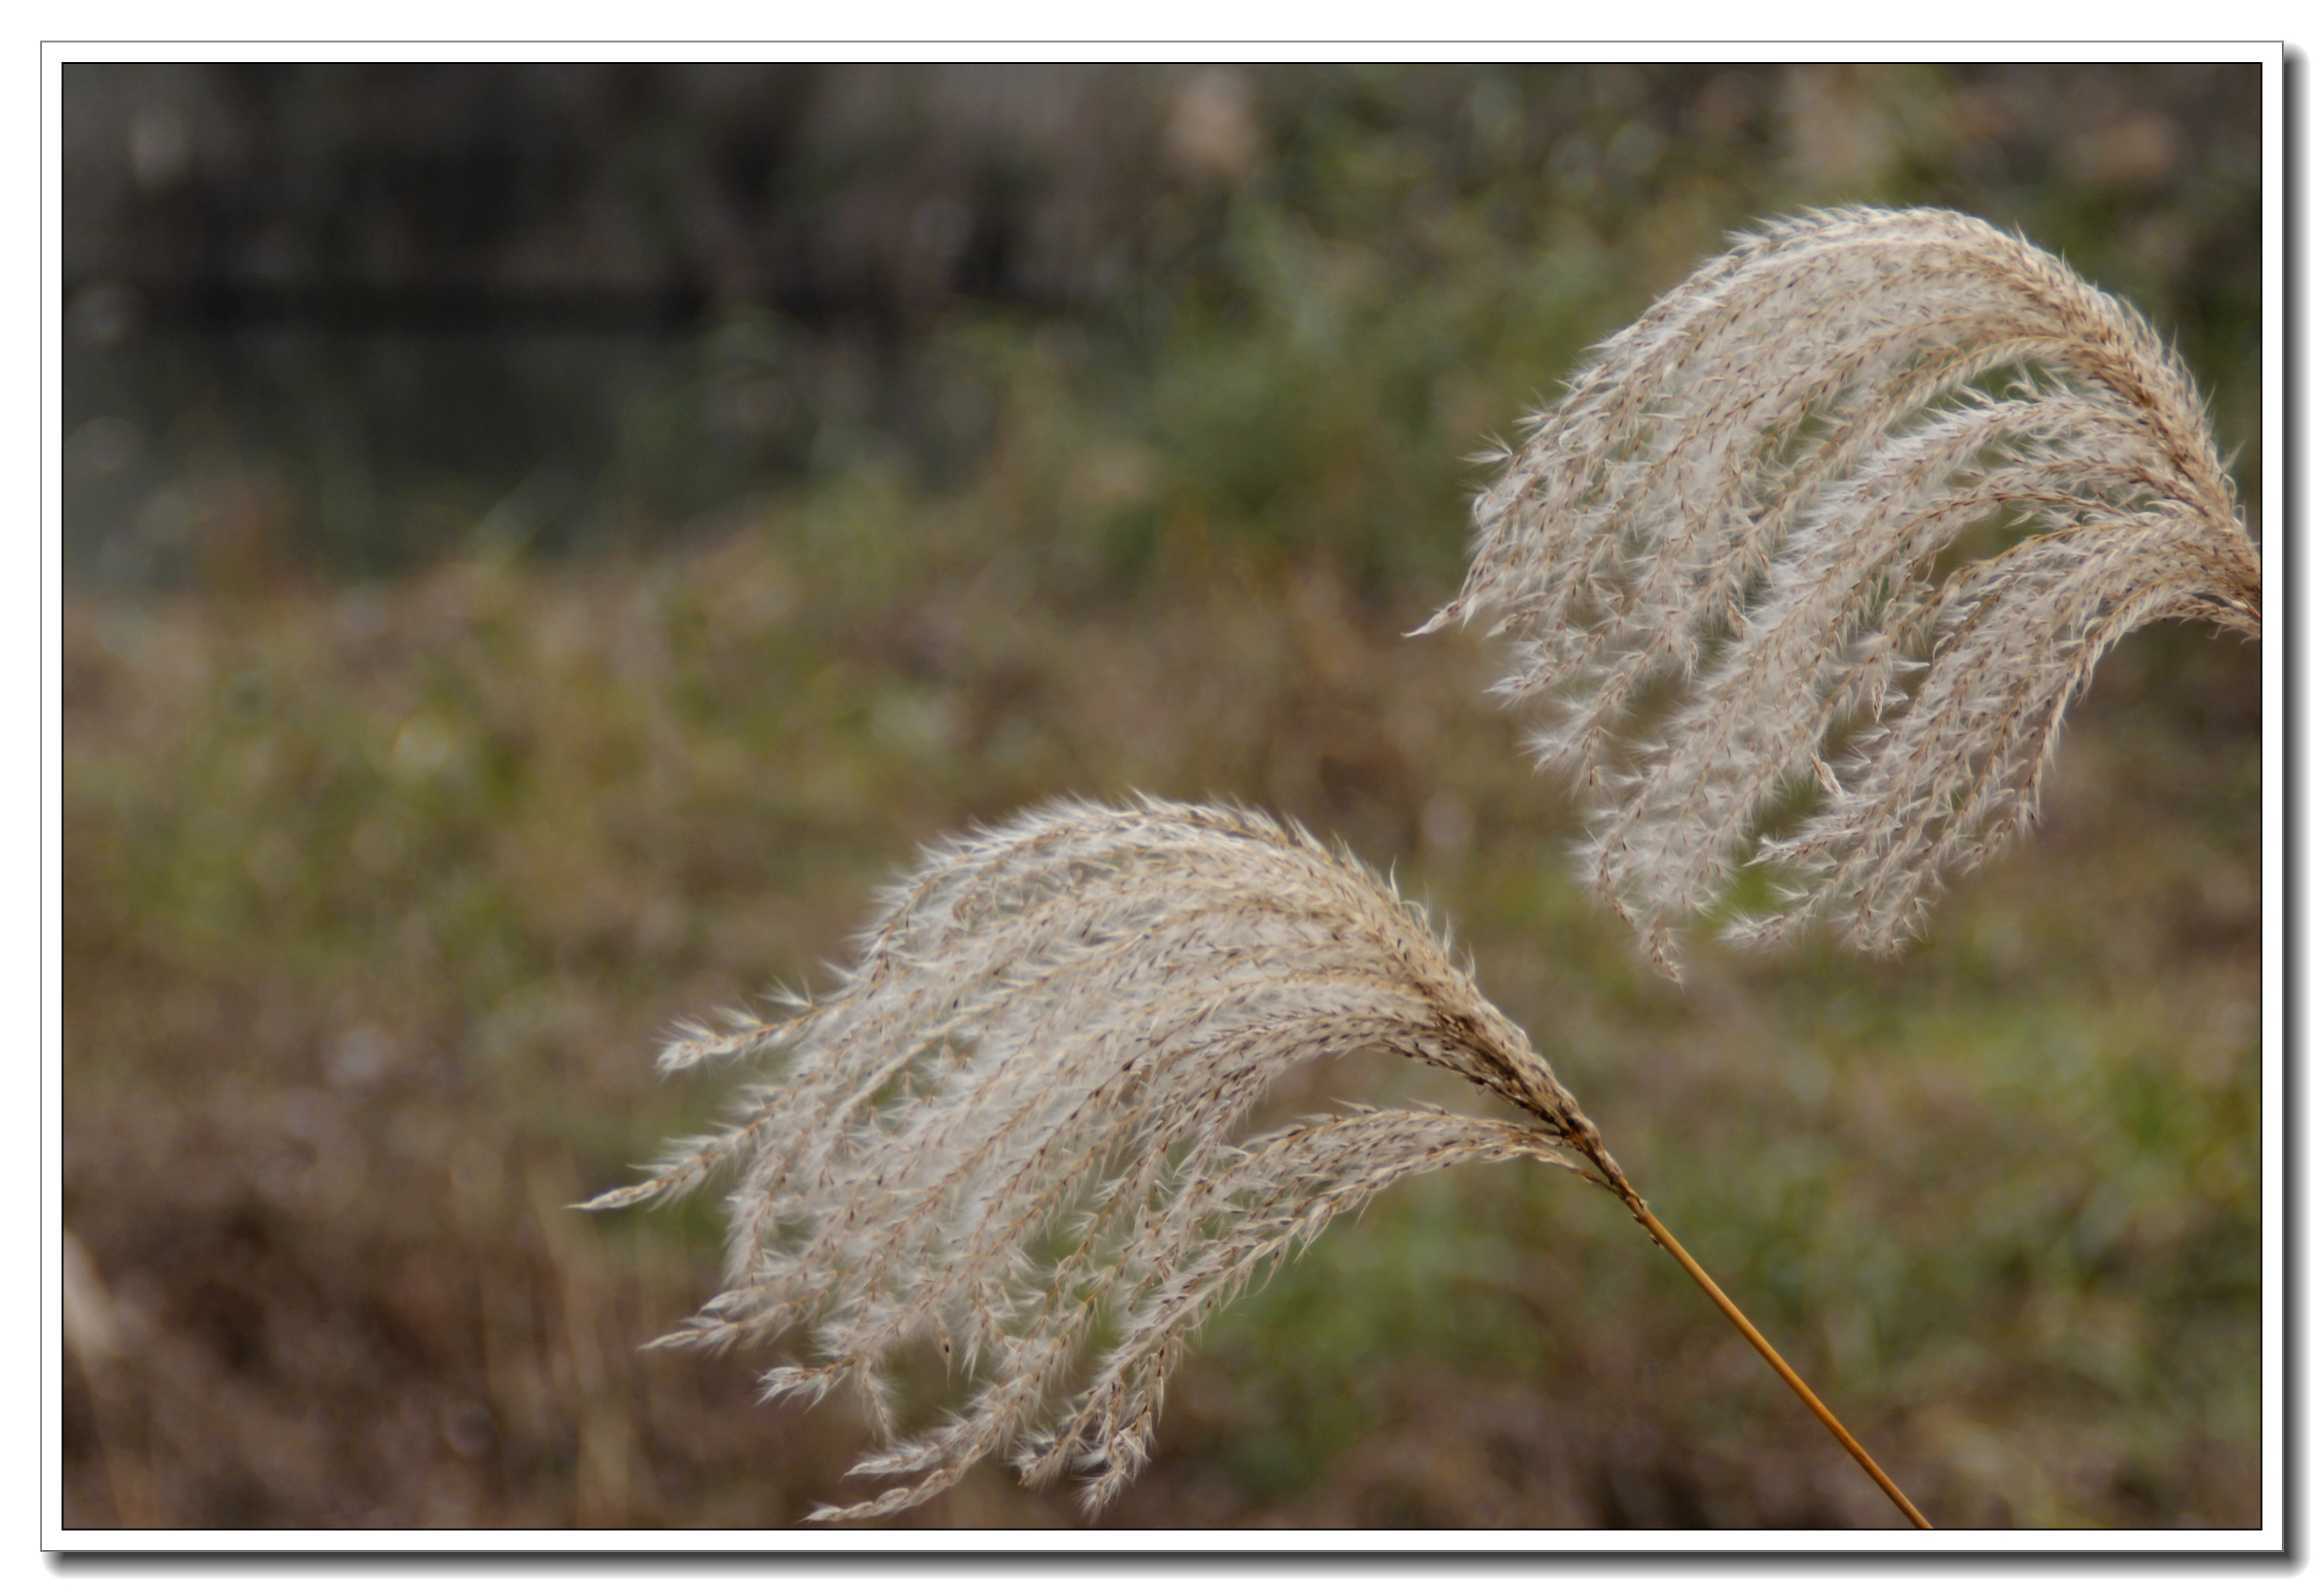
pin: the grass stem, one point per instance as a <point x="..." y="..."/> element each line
<point x="1759" y="1342"/>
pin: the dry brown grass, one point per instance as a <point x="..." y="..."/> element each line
<point x="322" y="1120"/>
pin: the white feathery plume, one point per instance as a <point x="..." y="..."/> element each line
<point x="1722" y="557"/>
<point x="1011" y="1126"/>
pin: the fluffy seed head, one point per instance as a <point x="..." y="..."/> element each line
<point x="1722" y="558"/>
<point x="1010" y="1132"/>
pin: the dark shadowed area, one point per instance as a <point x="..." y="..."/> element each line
<point x="546" y="544"/>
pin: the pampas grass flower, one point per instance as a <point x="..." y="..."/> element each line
<point x="1723" y="562"/>
<point x="1011" y="1131"/>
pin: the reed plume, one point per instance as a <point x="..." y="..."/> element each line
<point x="1009" y="1131"/>
<point x="1723" y="559"/>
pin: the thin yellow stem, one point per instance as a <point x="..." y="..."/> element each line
<point x="1807" y="1395"/>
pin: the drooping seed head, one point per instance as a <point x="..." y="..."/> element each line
<point x="1721" y="562"/>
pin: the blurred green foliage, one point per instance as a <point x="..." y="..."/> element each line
<point x="378" y="893"/>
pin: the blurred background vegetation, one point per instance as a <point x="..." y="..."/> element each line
<point x="543" y="544"/>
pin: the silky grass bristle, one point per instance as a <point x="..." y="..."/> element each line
<point x="1014" y="1119"/>
<point x="1721" y="558"/>
<point x="1013" y="1122"/>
